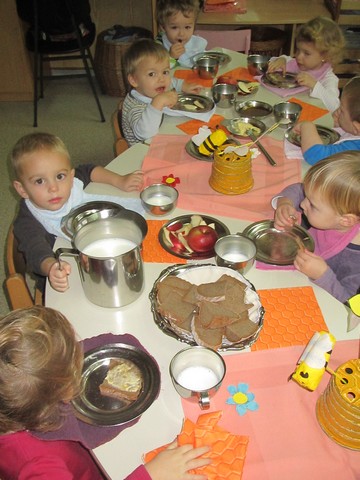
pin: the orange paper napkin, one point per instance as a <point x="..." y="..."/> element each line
<point x="152" y="251"/>
<point x="292" y="316"/>
<point x="309" y="112"/>
<point x="192" y="77"/>
<point x="191" y="127"/>
<point x="239" y="73"/>
<point x="227" y="453"/>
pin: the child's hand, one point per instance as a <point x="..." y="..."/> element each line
<point x="191" y="88"/>
<point x="59" y="278"/>
<point x="310" y="264"/>
<point x="278" y="64"/>
<point x="177" y="50"/>
<point x="306" y="80"/>
<point x="175" y="462"/>
<point x="285" y="214"/>
<point x="166" y="99"/>
<point x="132" y="182"/>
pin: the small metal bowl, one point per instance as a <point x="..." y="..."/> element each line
<point x="235" y="251"/>
<point x="159" y="199"/>
<point x="287" y="113"/>
<point x="224" y="94"/>
<point x="231" y="126"/>
<point x="257" y="64"/>
<point x="254" y="108"/>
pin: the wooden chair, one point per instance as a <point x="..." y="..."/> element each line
<point x="120" y="144"/>
<point x="238" y="40"/>
<point x="17" y="289"/>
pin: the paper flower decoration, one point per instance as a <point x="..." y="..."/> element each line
<point x="170" y="180"/>
<point x="240" y="397"/>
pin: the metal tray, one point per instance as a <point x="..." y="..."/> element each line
<point x="254" y="108"/>
<point x="230" y="124"/>
<point x="223" y="58"/>
<point x="184" y="100"/>
<point x="278" y="247"/>
<point x="96" y="409"/>
<point x="327" y="135"/>
<point x="220" y="228"/>
<point x="277" y="79"/>
<point x="214" y="273"/>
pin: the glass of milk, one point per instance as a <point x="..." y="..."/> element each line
<point x="197" y="373"/>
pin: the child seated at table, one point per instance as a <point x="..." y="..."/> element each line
<point x="147" y="69"/>
<point x="347" y="117"/>
<point x="40" y="373"/>
<point x="50" y="187"/>
<point x="329" y="197"/>
<point x="176" y="21"/>
<point x="319" y="46"/>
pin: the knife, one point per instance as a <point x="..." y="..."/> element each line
<point x="262" y="149"/>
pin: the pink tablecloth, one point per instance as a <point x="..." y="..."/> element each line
<point x="286" y="441"/>
<point x="167" y="155"/>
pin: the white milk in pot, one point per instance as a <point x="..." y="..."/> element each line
<point x="108" y="247"/>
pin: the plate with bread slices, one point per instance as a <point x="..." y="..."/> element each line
<point x="119" y="382"/>
<point x="207" y="305"/>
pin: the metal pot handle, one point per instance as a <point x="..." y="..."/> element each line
<point x="70" y="252"/>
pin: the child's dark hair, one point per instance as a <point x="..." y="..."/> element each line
<point x="40" y="368"/>
<point x="167" y="8"/>
<point x="351" y="94"/>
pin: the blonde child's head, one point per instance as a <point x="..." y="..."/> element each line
<point x="326" y="36"/>
<point x="32" y="143"/>
<point x="140" y="50"/>
<point x="336" y="180"/>
<point x="40" y="368"/>
<point x="165" y="9"/>
<point x="351" y="97"/>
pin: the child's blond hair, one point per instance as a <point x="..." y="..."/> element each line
<point x="141" y="49"/>
<point x="326" y="36"/>
<point x="32" y="143"/>
<point x="337" y="180"/>
<point x="167" y="8"/>
<point x="351" y="93"/>
<point x="40" y="367"/>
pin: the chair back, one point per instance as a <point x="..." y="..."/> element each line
<point x="18" y="292"/>
<point x="120" y="144"/>
<point x="238" y="40"/>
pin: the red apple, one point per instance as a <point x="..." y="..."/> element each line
<point x="226" y="79"/>
<point x="202" y="238"/>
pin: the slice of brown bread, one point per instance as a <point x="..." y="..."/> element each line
<point x="175" y="308"/>
<point x="206" y="337"/>
<point x="240" y="330"/>
<point x="176" y="282"/>
<point x="211" y="292"/>
<point x="215" y="315"/>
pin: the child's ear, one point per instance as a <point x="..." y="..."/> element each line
<point x="20" y="189"/>
<point x="356" y="126"/>
<point x="132" y="81"/>
<point x="348" y="220"/>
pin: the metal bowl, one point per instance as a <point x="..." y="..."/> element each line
<point x="257" y="64"/>
<point x="231" y="125"/>
<point x="159" y="199"/>
<point x="224" y="94"/>
<point x="287" y="113"/>
<point x="235" y="251"/>
<point x="254" y="108"/>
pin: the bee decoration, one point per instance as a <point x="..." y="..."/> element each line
<point x="313" y="362"/>
<point x="212" y="142"/>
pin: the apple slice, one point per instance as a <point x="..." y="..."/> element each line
<point x="196" y="220"/>
<point x="184" y="242"/>
<point x="174" y="227"/>
<point x="176" y="242"/>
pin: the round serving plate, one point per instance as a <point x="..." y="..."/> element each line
<point x="193" y="103"/>
<point x="327" y="135"/>
<point x="207" y="273"/>
<point x="96" y="409"/>
<point x="277" y="79"/>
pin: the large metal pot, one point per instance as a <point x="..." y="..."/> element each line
<point x="109" y="260"/>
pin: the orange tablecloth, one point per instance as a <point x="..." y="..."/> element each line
<point x="285" y="439"/>
<point x="167" y="155"/>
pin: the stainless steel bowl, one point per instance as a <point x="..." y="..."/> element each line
<point x="254" y="108"/>
<point x="224" y="94"/>
<point x="235" y="251"/>
<point x="257" y="64"/>
<point x="159" y="199"/>
<point x="287" y="113"/>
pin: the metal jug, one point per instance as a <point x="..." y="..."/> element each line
<point x="109" y="260"/>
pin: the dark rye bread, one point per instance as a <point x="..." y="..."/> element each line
<point x="215" y="315"/>
<point x="240" y="330"/>
<point x="206" y="337"/>
<point x="175" y="308"/>
<point x="212" y="292"/>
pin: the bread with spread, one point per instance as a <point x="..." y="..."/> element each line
<point x="123" y="380"/>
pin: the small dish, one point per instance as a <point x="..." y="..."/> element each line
<point x="222" y="58"/>
<point x="159" y="199"/>
<point x="253" y="108"/>
<point x="93" y="408"/>
<point x="257" y="64"/>
<point x="193" y="103"/>
<point x="243" y="87"/>
<point x="327" y="135"/>
<point x="278" y="247"/>
<point x="277" y="79"/>
<point x="220" y="228"/>
<point x="232" y="125"/>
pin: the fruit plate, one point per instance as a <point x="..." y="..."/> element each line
<point x="206" y="273"/>
<point x="278" y="247"/>
<point x="327" y="135"/>
<point x="96" y="409"/>
<point x="222" y="58"/>
<point x="189" y="102"/>
<point x="220" y="229"/>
